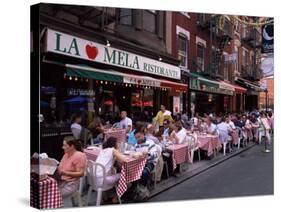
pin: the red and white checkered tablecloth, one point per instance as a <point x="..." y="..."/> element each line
<point x="120" y="134"/>
<point x="179" y="154"/>
<point x="210" y="143"/>
<point x="45" y="194"/>
<point x="92" y="153"/>
<point x="130" y="172"/>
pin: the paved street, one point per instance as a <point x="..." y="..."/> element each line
<point x="249" y="173"/>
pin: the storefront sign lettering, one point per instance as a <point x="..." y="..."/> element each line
<point x="196" y="84"/>
<point x="62" y="43"/>
<point x="141" y="81"/>
<point x="80" y="92"/>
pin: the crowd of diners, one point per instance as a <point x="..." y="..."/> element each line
<point x="149" y="139"/>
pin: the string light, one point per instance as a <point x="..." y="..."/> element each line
<point x="106" y="82"/>
<point x="114" y="83"/>
<point x="87" y="80"/>
<point x="76" y="78"/>
<point x="70" y="78"/>
<point x="126" y="85"/>
<point x="101" y="82"/>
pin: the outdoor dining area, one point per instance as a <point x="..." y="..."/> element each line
<point x="126" y="165"/>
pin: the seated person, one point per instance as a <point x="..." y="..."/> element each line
<point x="152" y="150"/>
<point x="167" y="129"/>
<point x="178" y="136"/>
<point x="97" y="129"/>
<point x="224" y="130"/>
<point x="149" y="133"/>
<point x="211" y="127"/>
<point x="71" y="167"/>
<point x="107" y="158"/>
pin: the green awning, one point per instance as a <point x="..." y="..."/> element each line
<point x="92" y="73"/>
<point x="203" y="80"/>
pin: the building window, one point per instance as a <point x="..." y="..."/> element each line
<point x="200" y="56"/>
<point x="125" y="16"/>
<point x="182" y="50"/>
<point x="149" y="20"/>
<point x="245" y="58"/>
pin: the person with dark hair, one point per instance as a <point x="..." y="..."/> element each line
<point x="71" y="167"/>
<point x="97" y="129"/>
<point x="76" y="127"/>
<point x="107" y="157"/>
<point x="126" y="123"/>
<point x="161" y="116"/>
<point x="149" y="148"/>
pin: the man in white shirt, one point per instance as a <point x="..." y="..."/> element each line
<point x="211" y="127"/>
<point x="224" y="130"/>
<point x="126" y="123"/>
<point x="76" y="126"/>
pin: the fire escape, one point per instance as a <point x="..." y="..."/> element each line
<point x="252" y="39"/>
<point x="221" y="33"/>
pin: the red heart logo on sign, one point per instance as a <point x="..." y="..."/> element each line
<point x="91" y="51"/>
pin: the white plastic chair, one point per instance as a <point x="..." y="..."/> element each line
<point x="224" y="140"/>
<point x="193" y="147"/>
<point x="153" y="173"/>
<point x="92" y="180"/>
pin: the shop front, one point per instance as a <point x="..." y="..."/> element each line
<point x="251" y="95"/>
<point x="209" y="96"/>
<point x="94" y="79"/>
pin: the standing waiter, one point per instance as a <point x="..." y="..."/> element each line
<point x="161" y="116"/>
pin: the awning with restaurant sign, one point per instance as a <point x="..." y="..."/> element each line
<point x="109" y="75"/>
<point x="200" y="83"/>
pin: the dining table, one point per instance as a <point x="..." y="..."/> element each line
<point x="180" y="154"/>
<point x="119" y="134"/>
<point x="209" y="143"/>
<point x="45" y="193"/>
<point x="131" y="169"/>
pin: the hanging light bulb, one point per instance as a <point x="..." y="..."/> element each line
<point x="108" y="43"/>
<point x="105" y="82"/>
<point x="101" y="82"/>
<point x="70" y="78"/>
<point x="87" y="80"/>
<point x="76" y="78"/>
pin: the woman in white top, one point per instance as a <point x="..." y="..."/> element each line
<point x="178" y="136"/>
<point x="107" y="158"/>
